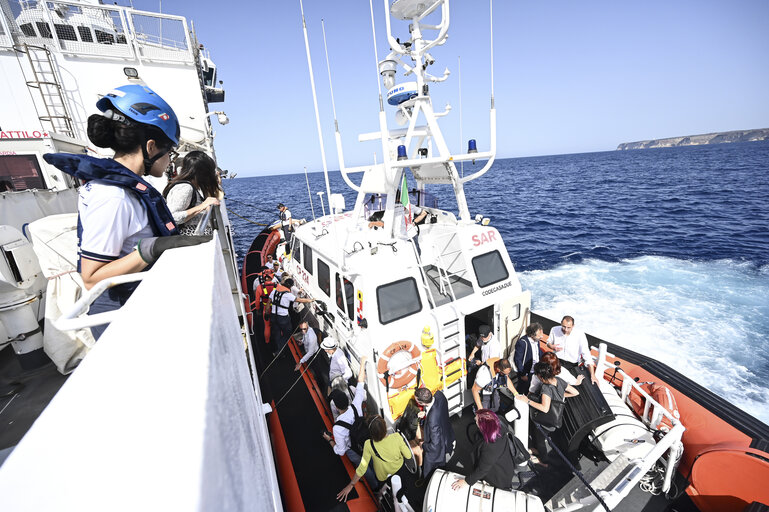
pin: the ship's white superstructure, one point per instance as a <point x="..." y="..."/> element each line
<point x="169" y="434"/>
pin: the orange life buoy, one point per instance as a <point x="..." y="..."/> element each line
<point x="397" y="353"/>
<point x="663" y="396"/>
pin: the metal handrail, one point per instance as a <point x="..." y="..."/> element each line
<point x="74" y="319"/>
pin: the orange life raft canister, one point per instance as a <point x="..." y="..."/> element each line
<point x="662" y="395"/>
<point x="397" y="355"/>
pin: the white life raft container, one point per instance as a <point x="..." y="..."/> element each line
<point x="626" y="434"/>
<point x="481" y="497"/>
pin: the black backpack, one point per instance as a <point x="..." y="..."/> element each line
<point x="517" y="450"/>
<point x="359" y="433"/>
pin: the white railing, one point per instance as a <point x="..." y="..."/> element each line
<point x="668" y="447"/>
<point x="162" y="414"/>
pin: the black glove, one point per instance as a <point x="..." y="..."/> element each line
<point x="150" y="249"/>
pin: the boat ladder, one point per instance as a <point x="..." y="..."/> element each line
<point x="451" y="347"/>
<point x="54" y="111"/>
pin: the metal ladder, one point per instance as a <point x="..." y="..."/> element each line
<point x="450" y="346"/>
<point x="46" y="80"/>
<point x="444" y="276"/>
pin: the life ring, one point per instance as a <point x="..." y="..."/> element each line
<point x="398" y="354"/>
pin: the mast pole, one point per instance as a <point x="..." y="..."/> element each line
<point x="315" y="104"/>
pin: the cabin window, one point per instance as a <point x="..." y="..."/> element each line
<point x="208" y="76"/>
<point x="65" y="32"/>
<point x="104" y="37"/>
<point x="308" y="258"/>
<point x="349" y="292"/>
<point x="28" y="30"/>
<point x="296" y="250"/>
<point x="324" y="277"/>
<point x="20" y="172"/>
<point x="85" y="34"/>
<point x="490" y="268"/>
<point x="398" y="300"/>
<point x="339" y="293"/>
<point x="44" y="29"/>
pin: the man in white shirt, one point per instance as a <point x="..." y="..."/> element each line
<point x="338" y="365"/>
<point x="281" y="299"/>
<point x="340" y="441"/>
<point x="489" y="345"/>
<point x="570" y="345"/>
<point x="310" y="342"/>
<point x="285" y="224"/>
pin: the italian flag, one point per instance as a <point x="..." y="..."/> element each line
<point x="405" y="200"/>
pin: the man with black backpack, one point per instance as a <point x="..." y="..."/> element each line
<point x="350" y="429"/>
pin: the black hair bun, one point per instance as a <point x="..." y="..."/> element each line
<point x="101" y="131"/>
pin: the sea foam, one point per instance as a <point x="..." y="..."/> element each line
<point x="708" y="320"/>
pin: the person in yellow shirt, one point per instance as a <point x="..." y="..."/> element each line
<point x="387" y="454"/>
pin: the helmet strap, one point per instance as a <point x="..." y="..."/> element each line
<point x="149" y="162"/>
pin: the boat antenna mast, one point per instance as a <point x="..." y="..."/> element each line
<point x="420" y="148"/>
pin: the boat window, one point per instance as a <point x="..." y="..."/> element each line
<point x="28" y="30"/>
<point x="339" y="293"/>
<point x="296" y="250"/>
<point x="349" y="292"/>
<point x="85" y="34"/>
<point x="44" y="29"/>
<point x="65" y="32"/>
<point x="489" y="268"/>
<point x="104" y="37"/>
<point x="398" y="300"/>
<point x="308" y="258"/>
<point x="20" y="172"/>
<point x="324" y="277"/>
<point x="208" y="76"/>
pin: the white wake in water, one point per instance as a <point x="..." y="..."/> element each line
<point x="708" y="320"/>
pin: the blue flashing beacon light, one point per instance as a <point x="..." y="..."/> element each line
<point x="402" y="152"/>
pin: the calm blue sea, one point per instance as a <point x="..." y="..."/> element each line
<point x="664" y="251"/>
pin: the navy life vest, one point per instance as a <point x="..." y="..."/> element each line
<point x="109" y="171"/>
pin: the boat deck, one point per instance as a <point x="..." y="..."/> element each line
<point x="23" y="396"/>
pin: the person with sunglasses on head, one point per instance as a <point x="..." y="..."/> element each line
<point x="192" y="191"/>
<point x="124" y="224"/>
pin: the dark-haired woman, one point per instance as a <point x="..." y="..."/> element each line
<point x="123" y="222"/>
<point x="547" y="409"/>
<point x="551" y="359"/>
<point x="193" y="190"/>
<point x="387" y="453"/>
<point x="493" y="462"/>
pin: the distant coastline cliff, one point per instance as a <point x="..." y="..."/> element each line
<point x="697" y="140"/>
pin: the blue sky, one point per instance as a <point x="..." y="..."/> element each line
<point x="570" y="77"/>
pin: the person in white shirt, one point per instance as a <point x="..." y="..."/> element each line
<point x="310" y="342"/>
<point x="489" y="345"/>
<point x="340" y="441"/>
<point x="285" y="223"/>
<point x="570" y="345"/>
<point x="338" y="366"/>
<point x="281" y="299"/>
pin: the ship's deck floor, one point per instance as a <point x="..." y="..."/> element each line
<point x="23" y="396"/>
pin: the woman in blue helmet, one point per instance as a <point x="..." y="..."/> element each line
<point x="123" y="222"/>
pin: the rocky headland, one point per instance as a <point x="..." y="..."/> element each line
<point x="697" y="140"/>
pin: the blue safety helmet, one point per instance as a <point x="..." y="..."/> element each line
<point x="141" y="104"/>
